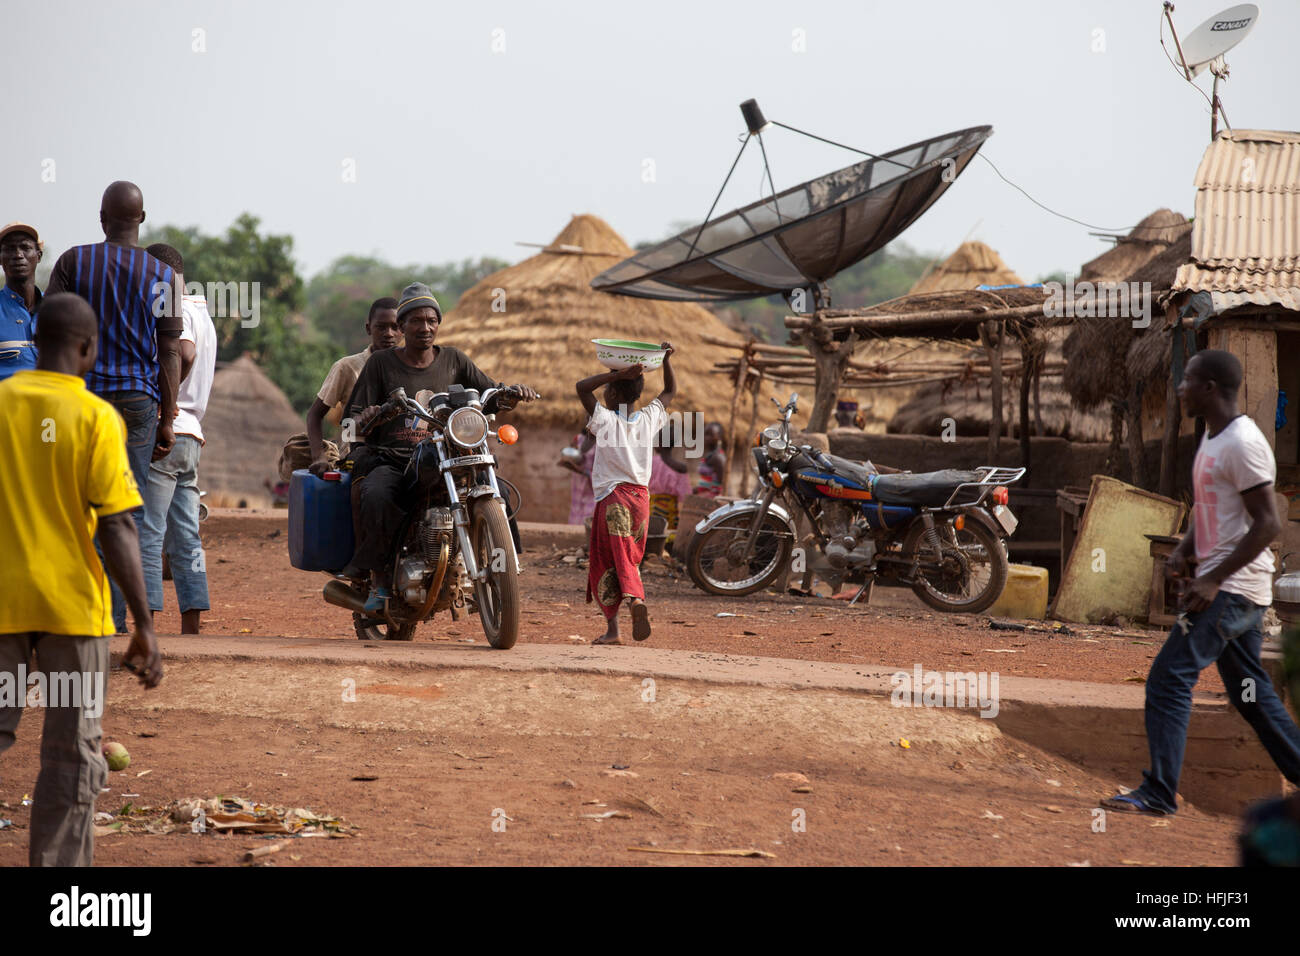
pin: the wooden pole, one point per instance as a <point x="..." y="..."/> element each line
<point x="1173" y="420"/>
<point x="991" y="336"/>
<point x="753" y="424"/>
<point x="730" y="440"/>
<point x="1137" y="452"/>
<point x="1026" y="375"/>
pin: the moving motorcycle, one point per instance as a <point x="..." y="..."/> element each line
<point x="455" y="549"/>
<point x="938" y="533"/>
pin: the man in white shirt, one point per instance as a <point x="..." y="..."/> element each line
<point x="381" y="326"/>
<point x="171" y="512"/>
<point x="1233" y="521"/>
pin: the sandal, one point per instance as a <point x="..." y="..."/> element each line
<point x="640" y="622"/>
<point x="1131" y="803"/>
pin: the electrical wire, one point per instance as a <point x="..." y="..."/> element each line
<point x="1124" y="229"/>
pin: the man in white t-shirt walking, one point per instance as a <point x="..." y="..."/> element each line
<point x="1233" y="521"/>
<point x="171" y="511"/>
<point x="620" y="476"/>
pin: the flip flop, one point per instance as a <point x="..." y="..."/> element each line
<point x="1131" y="803"/>
<point x="606" y="640"/>
<point x="640" y="622"/>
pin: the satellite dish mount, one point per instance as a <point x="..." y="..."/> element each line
<point x="1205" y="47"/>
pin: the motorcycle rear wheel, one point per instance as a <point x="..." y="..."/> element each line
<point x="370" y="630"/>
<point x="982" y="554"/>
<point x="713" y="558"/>
<point x="497" y="596"/>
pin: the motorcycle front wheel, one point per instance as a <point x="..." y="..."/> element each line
<point x="497" y="595"/>
<point x="716" y="558"/>
<point x="970" y="572"/>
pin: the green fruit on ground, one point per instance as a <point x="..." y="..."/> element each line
<point x="117" y="757"/>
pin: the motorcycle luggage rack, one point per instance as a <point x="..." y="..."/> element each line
<point x="991" y="477"/>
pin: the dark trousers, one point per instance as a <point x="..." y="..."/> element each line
<point x="381" y="515"/>
<point x="140" y="412"/>
<point x="1226" y="633"/>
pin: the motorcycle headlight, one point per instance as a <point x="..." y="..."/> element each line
<point x="467" y="427"/>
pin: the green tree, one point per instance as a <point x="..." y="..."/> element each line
<point x="278" y="337"/>
<point x="338" y="298"/>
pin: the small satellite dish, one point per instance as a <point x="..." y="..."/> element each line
<point x="801" y="237"/>
<point x="1216" y="36"/>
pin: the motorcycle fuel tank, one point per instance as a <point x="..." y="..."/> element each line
<point x="320" y="521"/>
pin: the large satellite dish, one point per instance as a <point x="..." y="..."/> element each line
<point x="799" y="238"/>
<point x="1216" y="36"/>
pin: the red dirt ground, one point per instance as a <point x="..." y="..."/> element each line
<point x="454" y="749"/>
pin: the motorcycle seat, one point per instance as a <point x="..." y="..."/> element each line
<point x="929" y="489"/>
<point x="855" y="471"/>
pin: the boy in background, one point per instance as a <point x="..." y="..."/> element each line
<point x="171" y="514"/>
<point x="381" y="326"/>
<point x="620" y="474"/>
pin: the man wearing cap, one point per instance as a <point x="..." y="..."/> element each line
<point x="422" y="369"/>
<point x="138" y="301"/>
<point x="20" y="252"/>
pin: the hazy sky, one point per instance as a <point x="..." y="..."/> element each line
<point x="460" y="150"/>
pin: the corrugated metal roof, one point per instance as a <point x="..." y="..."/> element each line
<point x="1246" y="237"/>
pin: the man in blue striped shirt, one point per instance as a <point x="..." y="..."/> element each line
<point x="138" y="302"/>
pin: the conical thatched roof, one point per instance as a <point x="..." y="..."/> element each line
<point x="1105" y="356"/>
<point x="1152" y="236"/>
<point x="533" y="322"/>
<point x="247" y="423"/>
<point x="973" y="264"/>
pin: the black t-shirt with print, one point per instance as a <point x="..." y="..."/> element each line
<point x="385" y="371"/>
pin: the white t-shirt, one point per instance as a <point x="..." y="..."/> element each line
<point x="192" y="395"/>
<point x="1235" y="460"/>
<point x="624" y="446"/>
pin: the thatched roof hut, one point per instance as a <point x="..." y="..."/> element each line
<point x="246" y="425"/>
<point x="1148" y="239"/>
<point x="1106" y="355"/>
<point x="1149" y="355"/>
<point x="533" y="322"/>
<point x="973" y="264"/>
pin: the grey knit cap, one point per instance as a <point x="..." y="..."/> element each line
<point x="417" y="295"/>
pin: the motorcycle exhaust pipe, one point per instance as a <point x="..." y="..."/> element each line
<point x="338" y="593"/>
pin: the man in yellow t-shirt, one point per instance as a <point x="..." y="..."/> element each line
<point x="64" y="475"/>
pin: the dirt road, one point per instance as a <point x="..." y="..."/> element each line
<point x="463" y="760"/>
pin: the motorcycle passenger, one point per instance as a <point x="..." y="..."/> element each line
<point x="422" y="369"/>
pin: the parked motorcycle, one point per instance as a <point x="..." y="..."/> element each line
<point x="940" y="533"/>
<point x="455" y="549"/>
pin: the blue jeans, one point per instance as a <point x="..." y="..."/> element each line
<point x="140" y="412"/>
<point x="1226" y="633"/>
<point x="171" y="522"/>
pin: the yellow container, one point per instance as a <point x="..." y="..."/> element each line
<point x="1025" y="595"/>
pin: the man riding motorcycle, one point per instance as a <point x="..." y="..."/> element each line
<point x="422" y="369"/>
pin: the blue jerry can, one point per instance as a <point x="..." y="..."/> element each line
<point x="320" y="521"/>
